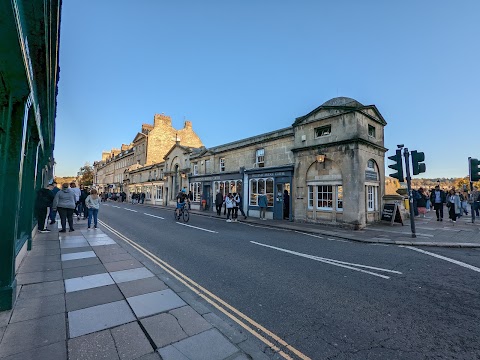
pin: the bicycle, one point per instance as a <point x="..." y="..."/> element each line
<point x="183" y="213"/>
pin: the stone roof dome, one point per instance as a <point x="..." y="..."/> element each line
<point x="342" y="101"/>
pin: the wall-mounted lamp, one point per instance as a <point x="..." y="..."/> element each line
<point x="321" y="158"/>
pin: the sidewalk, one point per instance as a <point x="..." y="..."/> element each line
<point x="429" y="231"/>
<point x="83" y="296"/>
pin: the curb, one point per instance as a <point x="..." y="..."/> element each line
<point x="326" y="233"/>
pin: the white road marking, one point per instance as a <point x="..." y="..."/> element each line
<point x="130" y="210"/>
<point x="465" y="265"/>
<point x="264" y="227"/>
<point x="118" y="207"/>
<point x="333" y="262"/>
<point x="199" y="228"/>
<point x="303" y="233"/>
<point x="155" y="216"/>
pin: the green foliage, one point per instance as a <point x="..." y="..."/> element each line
<point x="85" y="175"/>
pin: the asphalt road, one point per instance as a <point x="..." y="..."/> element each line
<point x="411" y="306"/>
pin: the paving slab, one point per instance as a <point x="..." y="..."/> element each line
<point x="190" y="321"/>
<point x="235" y="335"/>
<point x="2" y="331"/>
<point x="37" y="307"/>
<point x="131" y="341"/>
<point x="123" y="265"/>
<point x="131" y="274"/>
<point x="88" y="282"/>
<point x="110" y="249"/>
<point x="42" y="289"/>
<point x="208" y="345"/>
<point x="78" y="255"/>
<point x="32" y="267"/>
<point x="75" y="250"/>
<point x="30" y="334"/>
<point x="142" y="286"/>
<point x="46" y="245"/>
<point x="83" y="271"/>
<point x="38" y="277"/>
<point x="101" y="242"/>
<point x="69" y="244"/>
<point x="95" y="235"/>
<point x="57" y="351"/>
<point x="195" y="301"/>
<point x="114" y="257"/>
<point x="40" y="258"/>
<point x="92" y="297"/>
<point x="151" y="356"/>
<point x="99" y="345"/>
<point x="44" y="251"/>
<point x="5" y="317"/>
<point x="171" y="353"/>
<point x="154" y="303"/>
<point x="163" y="329"/>
<point x="100" y="317"/>
<point x="81" y="262"/>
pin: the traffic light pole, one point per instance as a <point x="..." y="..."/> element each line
<point x="410" y="193"/>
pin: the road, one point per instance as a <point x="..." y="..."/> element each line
<point x="328" y="298"/>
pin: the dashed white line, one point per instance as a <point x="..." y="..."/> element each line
<point x="155" y="216"/>
<point x="198" y="228"/>
<point x="460" y="263"/>
<point x="130" y="210"/>
<point x="118" y="207"/>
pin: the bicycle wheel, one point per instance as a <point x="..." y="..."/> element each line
<point x="175" y="215"/>
<point x="186" y="215"/>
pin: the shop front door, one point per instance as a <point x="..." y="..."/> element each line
<point x="281" y="208"/>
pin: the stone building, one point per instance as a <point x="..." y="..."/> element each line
<point x="147" y="148"/>
<point x="330" y="162"/>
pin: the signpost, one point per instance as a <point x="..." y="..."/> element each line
<point x="391" y="213"/>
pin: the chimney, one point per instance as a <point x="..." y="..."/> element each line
<point x="162" y="120"/>
<point x="188" y="124"/>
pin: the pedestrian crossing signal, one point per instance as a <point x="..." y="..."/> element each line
<point x="398" y="166"/>
<point x="474" y="169"/>
<point x="418" y="166"/>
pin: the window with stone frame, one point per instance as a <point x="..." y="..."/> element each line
<point x="222" y="164"/>
<point x="258" y="187"/>
<point x="260" y="157"/>
<point x="323" y="131"/>
<point x="371" y="131"/>
<point x="195" y="169"/>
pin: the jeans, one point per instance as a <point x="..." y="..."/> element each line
<point x="41" y="216"/>
<point x="263" y="210"/>
<point x="53" y="215"/>
<point x="64" y="215"/>
<point x="438" y="210"/>
<point x="94" y="213"/>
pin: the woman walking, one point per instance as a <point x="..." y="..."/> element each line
<point x="93" y="204"/>
<point x="454" y="205"/>
<point x="229" y="205"/>
<point x="422" y="202"/>
<point x="64" y="202"/>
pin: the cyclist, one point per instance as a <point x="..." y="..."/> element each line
<point x="181" y="197"/>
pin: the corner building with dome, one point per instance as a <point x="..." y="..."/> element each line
<point x="331" y="162"/>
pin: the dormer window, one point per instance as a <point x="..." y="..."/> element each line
<point x="260" y="157"/>
<point x="371" y="131"/>
<point x="323" y="131"/>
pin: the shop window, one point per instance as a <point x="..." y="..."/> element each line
<point x="371" y="131"/>
<point x="260" y="157"/>
<point x="195" y="169"/>
<point x="325" y="197"/>
<point x="323" y="131"/>
<point x="195" y="188"/>
<point x="310" y="197"/>
<point x="340" y="198"/>
<point x="372" y="197"/>
<point x="159" y="192"/>
<point x="261" y="186"/>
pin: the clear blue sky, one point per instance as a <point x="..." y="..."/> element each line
<point x="241" y="68"/>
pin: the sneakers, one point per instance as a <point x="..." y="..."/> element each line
<point x="52" y="222"/>
<point x="228" y="220"/>
<point x="88" y="227"/>
<point x="44" y="231"/>
<point x="95" y="227"/>
<point x="62" y="231"/>
<point x="71" y="230"/>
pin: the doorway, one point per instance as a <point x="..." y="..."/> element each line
<point x="281" y="208"/>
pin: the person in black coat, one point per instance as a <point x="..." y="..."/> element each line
<point x="286" y="205"/>
<point x="438" y="198"/>
<point x="219" y="202"/>
<point x="43" y="201"/>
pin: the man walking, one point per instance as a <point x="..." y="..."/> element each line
<point x="43" y="202"/>
<point x="438" y="198"/>
<point x="219" y="202"/>
<point x="53" y="214"/>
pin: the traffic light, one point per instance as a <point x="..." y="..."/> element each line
<point x="397" y="166"/>
<point x="474" y="169"/>
<point x="418" y="166"/>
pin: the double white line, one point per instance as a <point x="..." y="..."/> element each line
<point x="266" y="336"/>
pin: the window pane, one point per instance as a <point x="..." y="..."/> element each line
<point x="310" y="196"/>
<point x="261" y="186"/>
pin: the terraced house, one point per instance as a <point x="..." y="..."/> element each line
<point x="330" y="162"/>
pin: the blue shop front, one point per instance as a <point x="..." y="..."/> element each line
<point x="276" y="183"/>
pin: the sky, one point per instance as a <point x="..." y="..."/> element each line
<point x="237" y="69"/>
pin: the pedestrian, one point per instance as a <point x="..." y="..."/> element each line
<point x="453" y="204"/>
<point x="234" y="208"/>
<point x="142" y="197"/>
<point x="438" y="198"/>
<point x="422" y="202"/>
<point x="464" y="202"/>
<point x="476" y="200"/>
<point x="262" y="203"/>
<point x="229" y="205"/>
<point x="429" y="203"/>
<point x="64" y="203"/>
<point x="286" y="205"/>
<point x="53" y="214"/>
<point x="82" y="207"/>
<point x="190" y="198"/>
<point x="238" y="199"/>
<point x="43" y="201"/>
<point x="415" y="197"/>
<point x="77" y="193"/>
<point x="92" y="202"/>
<point x="219" y="202"/>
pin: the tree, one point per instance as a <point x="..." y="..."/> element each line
<point x="85" y="175"/>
